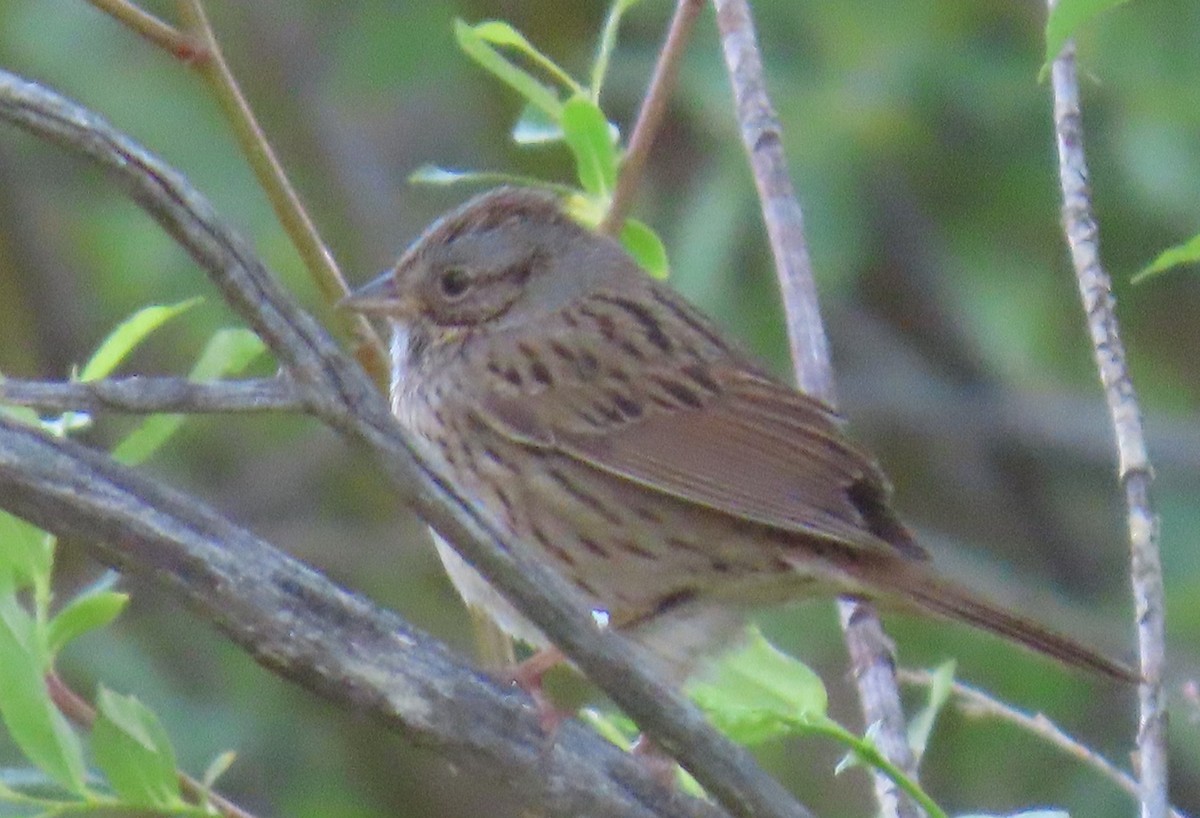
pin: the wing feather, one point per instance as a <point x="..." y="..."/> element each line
<point x="746" y="446"/>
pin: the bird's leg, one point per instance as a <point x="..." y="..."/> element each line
<point x="656" y="761"/>
<point x="528" y="674"/>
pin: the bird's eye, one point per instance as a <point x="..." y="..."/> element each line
<point x="454" y="282"/>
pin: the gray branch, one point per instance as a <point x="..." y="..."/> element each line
<point x="299" y="624"/>
<point x="341" y="395"/>
<point x="871" y="653"/>
<point x="1056" y="422"/>
<point x="1135" y="473"/>
<point x="148" y="395"/>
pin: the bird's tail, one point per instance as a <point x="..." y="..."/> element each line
<point x="914" y="585"/>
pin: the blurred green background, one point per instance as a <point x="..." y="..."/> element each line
<point x="921" y="146"/>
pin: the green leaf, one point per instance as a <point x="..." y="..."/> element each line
<point x="534" y="127"/>
<point x="228" y="352"/>
<point x="1034" y="813"/>
<point x="33" y="721"/>
<point x="866" y="751"/>
<point x="434" y="175"/>
<point x="1186" y="253"/>
<point x="21" y="414"/>
<point x="620" y="730"/>
<point x="18" y="784"/>
<point x="608" y="41"/>
<point x="921" y="726"/>
<point x="498" y="32"/>
<point x="217" y="767"/>
<point x="7" y="793"/>
<point x="614" y="727"/>
<point x="26" y="552"/>
<point x="128" y="334"/>
<point x="134" y="752"/>
<point x="860" y="748"/>
<point x="646" y="248"/>
<point x="1065" y="19"/>
<point x="491" y="60"/>
<point x="758" y="692"/>
<point x="90" y="610"/>
<point x="585" y="209"/>
<point x="589" y="136"/>
<point x="444" y="177"/>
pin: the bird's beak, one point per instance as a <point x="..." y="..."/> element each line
<point x="374" y="298"/>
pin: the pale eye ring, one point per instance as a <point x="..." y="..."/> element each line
<point x="454" y="282"/>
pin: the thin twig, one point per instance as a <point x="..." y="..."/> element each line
<point x="149" y="395"/>
<point x="78" y="710"/>
<point x="340" y="394"/>
<point x="200" y="49"/>
<point x="284" y="200"/>
<point x="974" y="702"/>
<point x="145" y="24"/>
<point x="870" y="650"/>
<point x="873" y="664"/>
<point x="1134" y="470"/>
<point x="650" y="117"/>
<point x="763" y="139"/>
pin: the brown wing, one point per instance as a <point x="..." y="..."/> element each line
<point x="718" y="435"/>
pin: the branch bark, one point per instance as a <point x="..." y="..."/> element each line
<point x="140" y="394"/>
<point x="871" y="652"/>
<point x="303" y="627"/>
<point x="340" y="394"/>
<point x="1134" y="470"/>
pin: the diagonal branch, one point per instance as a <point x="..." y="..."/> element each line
<point x="268" y="170"/>
<point x="340" y="394"/>
<point x="299" y="624"/>
<point x="871" y="653"/>
<point x="140" y="394"/>
<point x="1135" y="472"/>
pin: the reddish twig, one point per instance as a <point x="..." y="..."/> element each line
<point x="146" y="25"/>
<point x="650" y="117"/>
<point x="285" y="201"/>
<point x="78" y="710"/>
